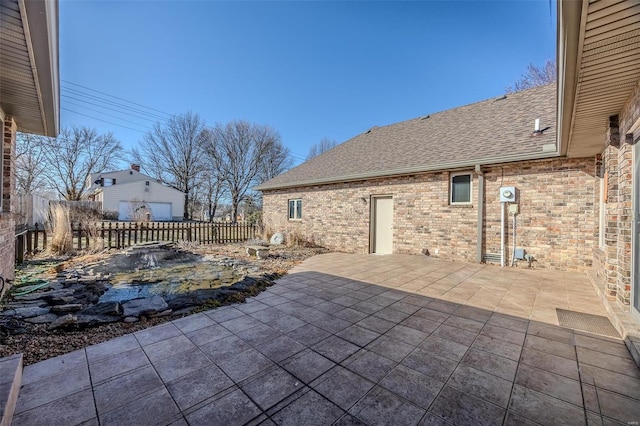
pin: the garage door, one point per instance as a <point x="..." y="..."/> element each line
<point x="157" y="211"/>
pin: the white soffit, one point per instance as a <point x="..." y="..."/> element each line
<point x="608" y="69"/>
<point x="29" y="86"/>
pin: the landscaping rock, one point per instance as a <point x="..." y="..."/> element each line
<point x="29" y="297"/>
<point x="42" y="319"/>
<point x="243" y="285"/>
<point x="131" y="319"/>
<point x="182" y="302"/>
<point x="63" y="321"/>
<point x="28" y="312"/>
<point x="207" y="293"/>
<point x="144" y="306"/>
<point x="95" y="320"/>
<point x="44" y="295"/>
<point x="72" y="307"/>
<point x="33" y="304"/>
<point x="61" y="300"/>
<point x="161" y="314"/>
<point x="54" y="285"/>
<point x="104" y="308"/>
<point x="183" y="311"/>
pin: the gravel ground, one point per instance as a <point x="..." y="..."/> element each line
<point x="38" y="344"/>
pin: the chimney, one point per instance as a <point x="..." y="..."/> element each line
<point x="135" y="167"/>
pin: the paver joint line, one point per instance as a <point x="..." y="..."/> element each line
<point x="346" y="358"/>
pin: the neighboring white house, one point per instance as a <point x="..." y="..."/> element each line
<point x="136" y="196"/>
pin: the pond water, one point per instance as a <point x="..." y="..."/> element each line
<point x="144" y="273"/>
<point x="172" y="280"/>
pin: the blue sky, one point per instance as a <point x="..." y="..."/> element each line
<point x="309" y="69"/>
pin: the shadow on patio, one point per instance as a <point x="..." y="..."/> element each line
<point x="357" y="339"/>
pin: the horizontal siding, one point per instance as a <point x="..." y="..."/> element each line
<point x="135" y="191"/>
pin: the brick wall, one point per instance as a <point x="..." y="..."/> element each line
<point x="7" y="222"/>
<point x="557" y="223"/>
<point x="614" y="262"/>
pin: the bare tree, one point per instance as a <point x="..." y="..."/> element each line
<point x="276" y="161"/>
<point x="212" y="188"/>
<point x="30" y="163"/>
<point x="74" y="155"/>
<point x="323" y="146"/>
<point x="535" y="76"/>
<point x="172" y="152"/>
<point x="241" y="152"/>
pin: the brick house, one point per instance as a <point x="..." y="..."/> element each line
<point x="433" y="184"/>
<point x="599" y="116"/>
<point x="29" y="96"/>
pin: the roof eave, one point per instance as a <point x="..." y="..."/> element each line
<point x="453" y="165"/>
<point x="570" y="22"/>
<point x="40" y="22"/>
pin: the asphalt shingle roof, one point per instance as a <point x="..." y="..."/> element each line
<point x="487" y="132"/>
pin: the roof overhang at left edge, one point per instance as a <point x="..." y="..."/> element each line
<point x="29" y="67"/>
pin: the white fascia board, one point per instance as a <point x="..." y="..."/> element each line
<point x="40" y="24"/>
<point x="570" y="35"/>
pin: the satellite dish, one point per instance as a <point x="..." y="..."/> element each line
<point x="277" y="238"/>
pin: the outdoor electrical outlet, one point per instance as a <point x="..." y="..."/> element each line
<point x="513" y="209"/>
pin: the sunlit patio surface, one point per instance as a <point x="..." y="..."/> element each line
<point x="357" y="339"/>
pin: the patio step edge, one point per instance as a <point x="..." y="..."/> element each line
<point x="10" y="382"/>
<point x="620" y="318"/>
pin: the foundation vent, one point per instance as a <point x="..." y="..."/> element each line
<point x="491" y="258"/>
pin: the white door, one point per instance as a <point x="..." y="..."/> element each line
<point x="635" y="259"/>
<point x="137" y="210"/>
<point x="160" y="211"/>
<point x="125" y="210"/>
<point x="382" y="229"/>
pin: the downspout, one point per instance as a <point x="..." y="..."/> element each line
<point x="502" y="249"/>
<point x="480" y="174"/>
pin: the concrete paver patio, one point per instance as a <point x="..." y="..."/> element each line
<point x="356" y="339"/>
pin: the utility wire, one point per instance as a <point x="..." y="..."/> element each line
<point x="110" y="105"/>
<point x="101" y="102"/>
<point x="68" y="99"/>
<point x="116" y="97"/>
<point x="73" y="92"/>
<point x="104" y="121"/>
<point x="104" y="113"/>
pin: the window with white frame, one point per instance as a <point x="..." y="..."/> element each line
<point x="460" y="188"/>
<point x="295" y="209"/>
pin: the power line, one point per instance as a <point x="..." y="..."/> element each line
<point x="116" y="97"/>
<point x="111" y="105"/>
<point x="74" y="92"/>
<point x="104" y="121"/>
<point x="101" y="102"/>
<point x="104" y="113"/>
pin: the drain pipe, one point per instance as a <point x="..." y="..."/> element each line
<point x="502" y="250"/>
<point x="513" y="256"/>
<point x="480" y="174"/>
